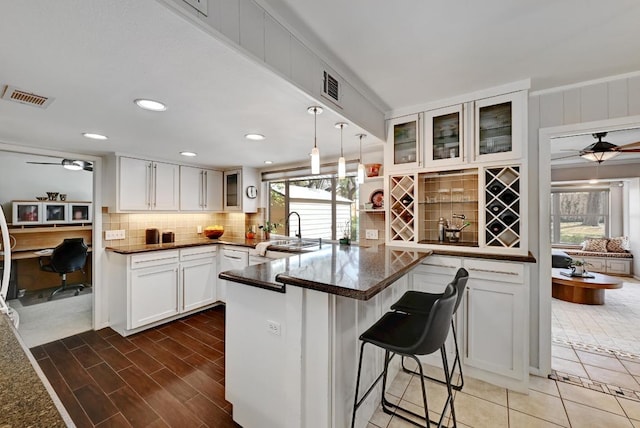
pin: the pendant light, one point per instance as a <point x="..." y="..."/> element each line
<point x="342" y="164"/>
<point x="315" y="153"/>
<point x="360" y="165"/>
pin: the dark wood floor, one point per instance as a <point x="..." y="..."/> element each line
<point x="168" y="376"/>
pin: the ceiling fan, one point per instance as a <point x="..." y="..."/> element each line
<point x="71" y="164"/>
<point x="601" y="151"/>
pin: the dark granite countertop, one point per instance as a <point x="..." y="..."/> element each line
<point x="24" y="399"/>
<point x="349" y="271"/>
<point x="456" y="251"/>
<point x="144" y="248"/>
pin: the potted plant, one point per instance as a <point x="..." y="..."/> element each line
<point x="579" y="267"/>
<point x="268" y="227"/>
<point x="346" y="233"/>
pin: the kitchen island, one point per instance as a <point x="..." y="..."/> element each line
<point x="26" y="395"/>
<point x="292" y="328"/>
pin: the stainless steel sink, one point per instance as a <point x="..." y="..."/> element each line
<point x="294" y="245"/>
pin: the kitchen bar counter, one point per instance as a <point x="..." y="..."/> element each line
<point x="24" y="399"/>
<point x="348" y="271"/>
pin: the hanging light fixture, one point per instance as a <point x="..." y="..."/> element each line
<point x="315" y="153"/>
<point x="360" y="165"/>
<point x="342" y="164"/>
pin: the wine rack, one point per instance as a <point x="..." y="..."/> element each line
<point x="402" y="207"/>
<point x="502" y="207"/>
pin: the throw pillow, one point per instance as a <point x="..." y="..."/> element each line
<point x="596" y="245"/>
<point x="618" y="245"/>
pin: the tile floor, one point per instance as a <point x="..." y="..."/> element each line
<point x="549" y="404"/>
<point x="598" y="347"/>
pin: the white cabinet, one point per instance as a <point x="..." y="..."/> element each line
<point x="496" y="320"/>
<point x="153" y="288"/>
<point x="241" y="190"/>
<point x="403" y="148"/>
<point x="445" y="136"/>
<point x="145" y="185"/>
<point x="199" y="277"/>
<point x="231" y="258"/>
<point x="200" y="189"/>
<point x="492" y="321"/>
<point x="159" y="286"/>
<point x="500" y="125"/>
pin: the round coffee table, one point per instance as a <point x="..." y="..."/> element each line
<point x="588" y="291"/>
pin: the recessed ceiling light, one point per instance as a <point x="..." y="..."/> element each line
<point x="95" y="136"/>
<point x="150" y="104"/>
<point x="190" y="154"/>
<point x="268" y="162"/>
<point x="255" y="137"/>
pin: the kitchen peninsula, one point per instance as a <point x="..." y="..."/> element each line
<point x="292" y="334"/>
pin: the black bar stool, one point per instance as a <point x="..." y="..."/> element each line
<point x="410" y="335"/>
<point x="420" y="302"/>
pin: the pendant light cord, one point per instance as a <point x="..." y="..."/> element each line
<point x="315" y="126"/>
<point x="341" y="128"/>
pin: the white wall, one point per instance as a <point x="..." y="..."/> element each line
<point x="22" y="181"/>
<point x="601" y="100"/>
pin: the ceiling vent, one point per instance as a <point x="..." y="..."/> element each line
<point x="19" y="96"/>
<point x="331" y="88"/>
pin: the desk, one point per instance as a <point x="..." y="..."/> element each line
<point x="588" y="291"/>
<point x="25" y="267"/>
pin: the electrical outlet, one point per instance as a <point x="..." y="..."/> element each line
<point x="114" y="234"/>
<point x="273" y="327"/>
<point x="198" y="229"/>
<point x="371" y="234"/>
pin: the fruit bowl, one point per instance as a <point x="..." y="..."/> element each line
<point x="213" y="232"/>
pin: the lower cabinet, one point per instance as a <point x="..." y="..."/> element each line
<point x="153" y="294"/>
<point x="150" y="288"/>
<point x="492" y="321"/>
<point x="611" y="266"/>
<point x="199" y="277"/>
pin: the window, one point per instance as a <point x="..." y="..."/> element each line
<point x="579" y="214"/>
<point x="327" y="206"/>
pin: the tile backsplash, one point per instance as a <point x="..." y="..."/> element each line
<point x="184" y="225"/>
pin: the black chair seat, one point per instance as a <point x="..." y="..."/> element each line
<point x="415" y="302"/>
<point x="420" y="302"/>
<point x="397" y="332"/>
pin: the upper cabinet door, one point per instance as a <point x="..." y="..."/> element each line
<point x="444" y="136"/>
<point x="166" y="186"/>
<point x="500" y="127"/>
<point x="191" y="197"/>
<point x="233" y="190"/>
<point x="134" y="187"/>
<point x="212" y="190"/>
<point x="403" y="143"/>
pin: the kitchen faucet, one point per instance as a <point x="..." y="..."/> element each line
<point x="299" y="234"/>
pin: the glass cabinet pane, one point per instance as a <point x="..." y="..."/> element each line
<point x="495" y="126"/>
<point x="404" y="142"/>
<point x="446" y="136"/>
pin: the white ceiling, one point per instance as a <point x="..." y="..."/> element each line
<point x="414" y="52"/>
<point x="96" y="56"/>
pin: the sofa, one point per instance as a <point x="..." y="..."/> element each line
<point x="603" y="255"/>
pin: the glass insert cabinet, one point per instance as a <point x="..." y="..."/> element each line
<point x="444" y="135"/>
<point x="404" y="136"/>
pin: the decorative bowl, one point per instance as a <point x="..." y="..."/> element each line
<point x="42" y="198"/>
<point x="53" y="195"/>
<point x="213" y="232"/>
<point x="373" y="169"/>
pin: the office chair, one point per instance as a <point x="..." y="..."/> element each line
<point x="67" y="257"/>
